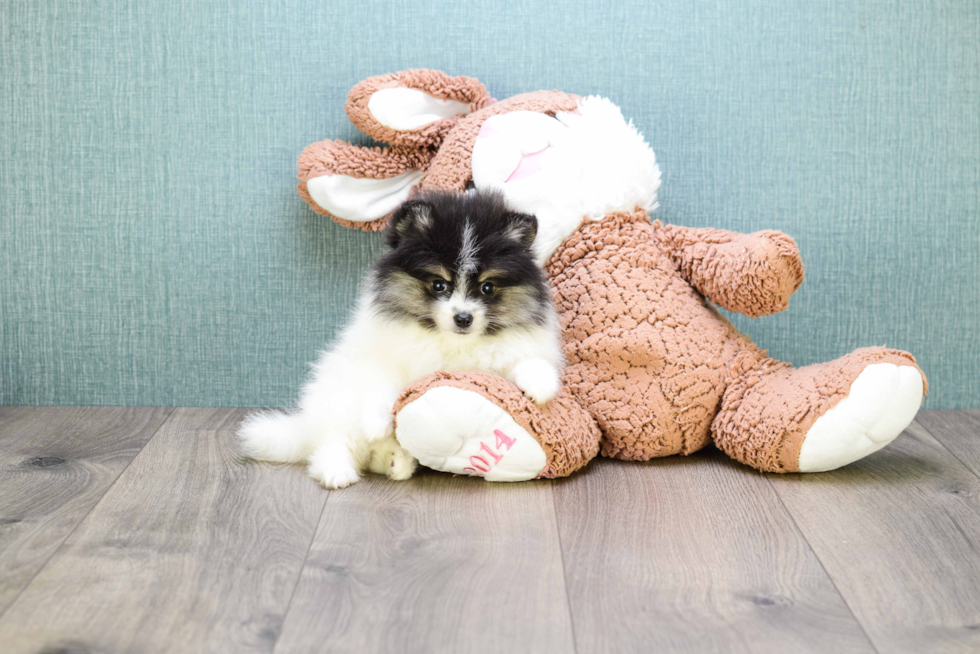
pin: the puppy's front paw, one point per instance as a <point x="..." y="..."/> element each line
<point x="333" y="469"/>
<point x="391" y="459"/>
<point x="538" y="379"/>
<point x="402" y="465"/>
<point x="334" y="477"/>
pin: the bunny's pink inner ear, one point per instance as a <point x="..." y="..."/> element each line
<point x="405" y="109"/>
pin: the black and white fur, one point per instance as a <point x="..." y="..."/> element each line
<point x="457" y="289"/>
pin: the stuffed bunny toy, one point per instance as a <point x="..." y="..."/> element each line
<point x="653" y="368"/>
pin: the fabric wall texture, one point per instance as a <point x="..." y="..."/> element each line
<point x="154" y="250"/>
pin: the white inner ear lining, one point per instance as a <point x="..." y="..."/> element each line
<point x="405" y="109"/>
<point x="361" y="199"/>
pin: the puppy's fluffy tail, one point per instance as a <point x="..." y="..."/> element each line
<point x="275" y="436"/>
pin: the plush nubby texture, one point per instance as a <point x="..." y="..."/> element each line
<point x="661" y="370"/>
<point x="647" y="356"/>
<point x="752" y="274"/>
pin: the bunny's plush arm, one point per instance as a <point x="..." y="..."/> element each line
<point x="751" y="274"/>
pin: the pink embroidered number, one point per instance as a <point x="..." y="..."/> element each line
<point x="480" y="464"/>
<point x="503" y="439"/>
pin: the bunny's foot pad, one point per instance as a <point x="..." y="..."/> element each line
<point x="477" y="424"/>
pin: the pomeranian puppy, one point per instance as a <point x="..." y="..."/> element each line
<point x="457" y="289"/>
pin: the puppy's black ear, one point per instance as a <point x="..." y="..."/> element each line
<point x="522" y="228"/>
<point x="413" y="217"/>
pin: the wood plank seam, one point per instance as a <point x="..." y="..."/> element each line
<point x="820" y="561"/>
<point x="170" y="412"/>
<point x="898" y="538"/>
<point x="299" y="572"/>
<point x="564" y="570"/>
<point x="953" y="454"/>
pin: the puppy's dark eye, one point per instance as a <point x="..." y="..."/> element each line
<point x="439" y="286"/>
<point x="487" y="288"/>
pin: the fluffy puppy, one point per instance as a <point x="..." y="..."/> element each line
<point x="457" y="289"/>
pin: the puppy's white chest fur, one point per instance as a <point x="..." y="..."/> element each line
<point x="407" y="351"/>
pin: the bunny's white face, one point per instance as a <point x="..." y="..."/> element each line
<point x="566" y="169"/>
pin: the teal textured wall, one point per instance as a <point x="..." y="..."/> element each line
<point x="154" y="250"/>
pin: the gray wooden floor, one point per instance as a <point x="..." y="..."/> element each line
<point x="143" y="530"/>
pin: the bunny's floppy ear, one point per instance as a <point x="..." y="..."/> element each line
<point x="357" y="186"/>
<point x="414" y="107"/>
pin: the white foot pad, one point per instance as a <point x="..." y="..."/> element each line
<point x="462" y="432"/>
<point x="880" y="404"/>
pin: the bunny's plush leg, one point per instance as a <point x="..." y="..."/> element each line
<point x="474" y="423"/>
<point x="821" y="417"/>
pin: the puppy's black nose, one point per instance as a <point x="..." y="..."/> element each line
<point x="463" y="319"/>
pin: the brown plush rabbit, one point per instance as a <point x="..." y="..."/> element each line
<point x="653" y="368"/>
